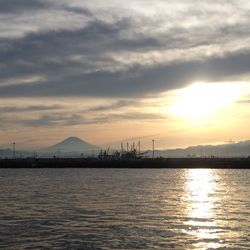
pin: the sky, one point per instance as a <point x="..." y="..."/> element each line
<point x="111" y="71"/>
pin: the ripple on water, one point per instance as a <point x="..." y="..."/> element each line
<point x="124" y="209"/>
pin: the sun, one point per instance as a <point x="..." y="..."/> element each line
<point x="201" y="100"/>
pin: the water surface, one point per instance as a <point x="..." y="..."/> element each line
<point x="124" y="209"/>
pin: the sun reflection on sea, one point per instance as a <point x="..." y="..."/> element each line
<point x="200" y="196"/>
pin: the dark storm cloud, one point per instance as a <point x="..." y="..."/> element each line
<point x="15" y="6"/>
<point x="137" y="81"/>
<point x="10" y="6"/>
<point x="49" y="52"/>
<point x="94" y="60"/>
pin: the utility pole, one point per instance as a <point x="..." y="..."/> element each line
<point x="14" y="150"/>
<point x="122" y="148"/>
<point x="153" y="142"/>
<point x="139" y="147"/>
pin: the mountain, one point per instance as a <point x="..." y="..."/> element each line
<point x="240" y="149"/>
<point x="71" y="144"/>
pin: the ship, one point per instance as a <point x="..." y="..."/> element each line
<point x="131" y="152"/>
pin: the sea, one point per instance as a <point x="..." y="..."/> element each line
<point x="124" y="209"/>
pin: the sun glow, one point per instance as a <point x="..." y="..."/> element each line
<point x="201" y="100"/>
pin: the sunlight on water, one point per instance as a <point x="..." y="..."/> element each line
<point x="200" y="190"/>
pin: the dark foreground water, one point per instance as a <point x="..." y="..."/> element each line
<point x="124" y="209"/>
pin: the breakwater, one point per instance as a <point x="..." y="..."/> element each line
<point x="126" y="163"/>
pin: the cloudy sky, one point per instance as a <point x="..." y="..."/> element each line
<point x="111" y="71"/>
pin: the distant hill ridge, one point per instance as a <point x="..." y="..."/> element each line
<point x="237" y="149"/>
